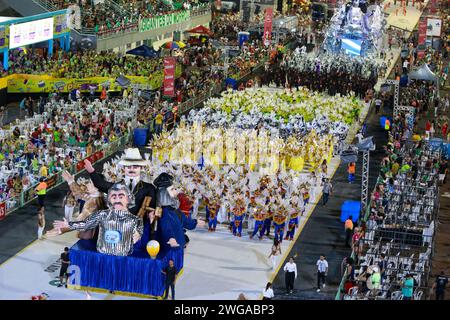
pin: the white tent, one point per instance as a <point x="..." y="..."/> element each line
<point x="423" y="73"/>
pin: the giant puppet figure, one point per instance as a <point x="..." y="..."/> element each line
<point x="172" y="222"/>
<point x="118" y="228"/>
<point x="142" y="191"/>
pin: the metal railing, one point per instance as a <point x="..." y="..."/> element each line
<point x="28" y="195"/>
<point x="47" y="5"/>
<point x="134" y="26"/>
<point x="118" y="31"/>
<point x="399" y="235"/>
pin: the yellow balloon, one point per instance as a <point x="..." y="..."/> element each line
<point x="296" y="163"/>
<point x="153" y="248"/>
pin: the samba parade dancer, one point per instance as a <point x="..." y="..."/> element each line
<point x="238" y="214"/>
<point x="293" y="224"/>
<point x="279" y="222"/>
<point x="267" y="221"/>
<point x="259" y="217"/>
<point x="212" y="210"/>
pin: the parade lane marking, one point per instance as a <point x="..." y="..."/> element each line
<point x="288" y="250"/>
<point x="21" y="251"/>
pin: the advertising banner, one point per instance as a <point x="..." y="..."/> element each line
<point x="169" y="76"/>
<point x="422" y="38"/>
<point x="26" y="33"/>
<point x="268" y="26"/>
<point x="24" y="83"/>
<point x="60" y="25"/>
<point x="164" y="20"/>
<point x="2" y="210"/>
<point x="433" y="7"/>
<point x="4" y="37"/>
<point x="434" y="27"/>
<point x="422" y="31"/>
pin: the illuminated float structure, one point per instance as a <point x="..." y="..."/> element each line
<point x="356" y="29"/>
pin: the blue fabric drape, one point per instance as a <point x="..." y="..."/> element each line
<point x="134" y="274"/>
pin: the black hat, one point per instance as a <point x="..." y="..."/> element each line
<point x="164" y="180"/>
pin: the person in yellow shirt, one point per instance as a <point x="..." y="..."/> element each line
<point x="158" y="123"/>
<point x="41" y="191"/>
<point x="43" y="172"/>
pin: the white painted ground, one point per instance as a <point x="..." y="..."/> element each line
<point x="399" y="20"/>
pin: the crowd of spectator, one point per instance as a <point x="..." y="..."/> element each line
<point x="47" y="143"/>
<point x="81" y="64"/>
<point x="103" y="17"/>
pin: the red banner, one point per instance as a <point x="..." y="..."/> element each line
<point x="268" y="26"/>
<point x="169" y="76"/>
<point x="422" y="31"/>
<point x="2" y="210"/>
<point x="433" y="7"/>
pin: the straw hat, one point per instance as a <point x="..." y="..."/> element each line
<point x="132" y="157"/>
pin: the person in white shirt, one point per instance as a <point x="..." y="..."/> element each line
<point x="41" y="223"/>
<point x="322" y="269"/>
<point x="78" y="94"/>
<point x="405" y="66"/>
<point x="290" y="269"/>
<point x="268" y="292"/>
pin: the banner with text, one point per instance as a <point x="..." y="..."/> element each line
<point x="422" y="38"/>
<point x="2" y="210"/>
<point x="268" y="26"/>
<point x="60" y="24"/>
<point x="422" y="31"/>
<point x="169" y="76"/>
<point x="433" y="7"/>
<point x="4" y="43"/>
<point x="25" y="83"/>
<point x="164" y="20"/>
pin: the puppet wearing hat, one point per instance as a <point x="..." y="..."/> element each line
<point x="172" y="221"/>
<point x="118" y="228"/>
<point x="133" y="164"/>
